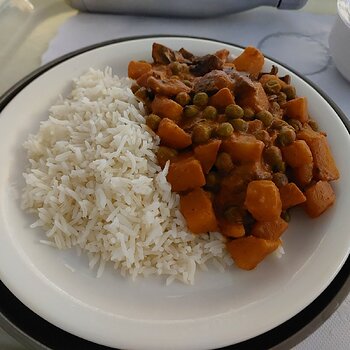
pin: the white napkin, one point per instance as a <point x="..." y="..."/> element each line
<point x="298" y="39"/>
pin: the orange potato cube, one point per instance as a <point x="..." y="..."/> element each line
<point x="291" y="196"/>
<point x="297" y="154"/>
<point x="197" y="209"/>
<point x="255" y="98"/>
<point x="230" y="229"/>
<point x="185" y="175"/>
<point x="251" y="60"/>
<point x="137" y="68"/>
<point x="207" y="153"/>
<point x="303" y="174"/>
<point x="222" y="98"/>
<point x="248" y="252"/>
<point x="319" y="197"/>
<point x="172" y="135"/>
<point x="166" y="108"/>
<point x="243" y="148"/>
<point x="297" y="109"/>
<point x="325" y="166"/>
<point x="263" y="200"/>
<point x="270" y="230"/>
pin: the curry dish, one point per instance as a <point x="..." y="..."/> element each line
<point x="242" y="147"/>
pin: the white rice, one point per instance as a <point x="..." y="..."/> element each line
<point x="94" y="184"/>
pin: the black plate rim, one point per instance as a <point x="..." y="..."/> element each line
<point x="284" y="336"/>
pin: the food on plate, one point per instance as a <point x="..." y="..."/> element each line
<point x="94" y="184"/>
<point x="242" y="147"/>
<point x="188" y="161"/>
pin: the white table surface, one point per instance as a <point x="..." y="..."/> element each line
<point x="52" y="19"/>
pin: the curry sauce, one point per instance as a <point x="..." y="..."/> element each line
<point x="242" y="147"/>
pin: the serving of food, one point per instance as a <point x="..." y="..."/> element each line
<point x="236" y="143"/>
<point x="171" y="160"/>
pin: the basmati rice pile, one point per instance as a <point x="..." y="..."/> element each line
<point x="93" y="182"/>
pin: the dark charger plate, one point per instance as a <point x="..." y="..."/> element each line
<point x="36" y="333"/>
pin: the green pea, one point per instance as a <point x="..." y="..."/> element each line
<point x="224" y="130"/>
<point x="134" y="88"/>
<point x="278" y="124"/>
<point x="313" y="124"/>
<point x="275" y="109"/>
<point x="272" y="155"/>
<point x="280" y="179"/>
<point x="285" y="215"/>
<point x="153" y="121"/>
<point x="224" y="162"/>
<point x="200" y="99"/>
<point x="190" y="111"/>
<point x="201" y="133"/>
<point x="234" y="111"/>
<point x="239" y="125"/>
<point x="165" y="153"/>
<point x="280" y="167"/>
<point x="248" y="113"/>
<point x="295" y="124"/>
<point x="234" y="214"/>
<point x="286" y="136"/>
<point x="210" y="112"/>
<point x="212" y="180"/>
<point x="266" y="117"/>
<point x="263" y="136"/>
<point x="183" y="98"/>
<point x="175" y="67"/>
<point x="187" y="83"/>
<point x="281" y="98"/>
<point x="142" y="94"/>
<point x="272" y="87"/>
<point x="290" y="92"/>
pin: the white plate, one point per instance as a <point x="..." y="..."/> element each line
<point x="222" y="308"/>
